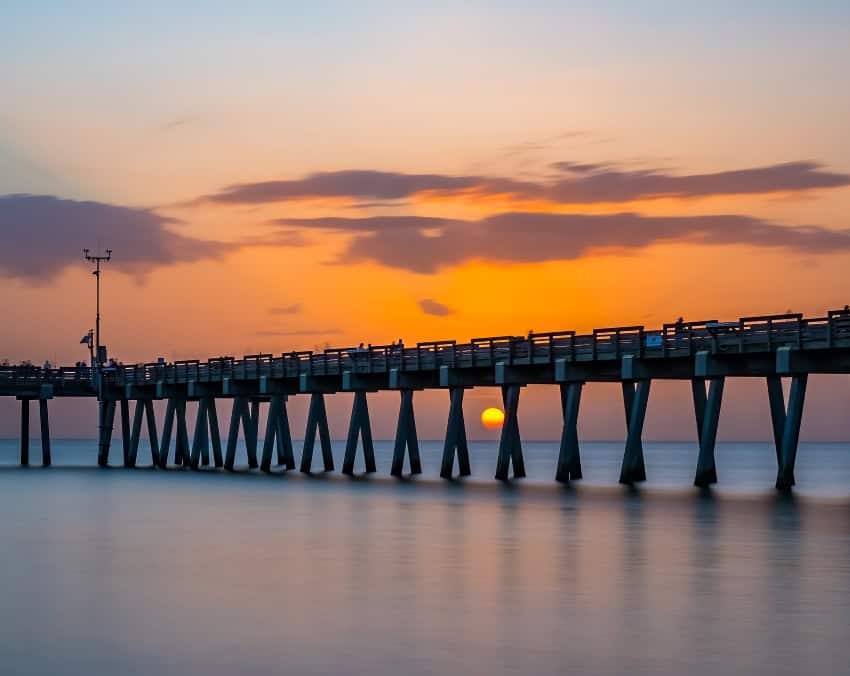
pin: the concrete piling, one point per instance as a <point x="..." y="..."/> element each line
<point x="455" y="438"/>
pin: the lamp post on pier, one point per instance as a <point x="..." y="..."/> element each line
<point x="97" y="260"/>
<point x="98" y="357"/>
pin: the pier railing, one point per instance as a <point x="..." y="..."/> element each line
<point x="677" y="339"/>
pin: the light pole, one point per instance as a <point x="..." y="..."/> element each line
<point x="97" y="260"/>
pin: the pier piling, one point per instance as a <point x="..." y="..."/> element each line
<point x="25" y="431"/>
<point x="125" y="432"/>
<point x="707" y="410"/>
<point x="569" y="457"/>
<point x="510" y="446"/>
<point x="635" y="397"/>
<point x="277" y="436"/>
<point x="107" y="420"/>
<point x="167" y="427"/>
<point x="317" y="423"/>
<point x="45" y="433"/>
<point x="405" y="438"/>
<point x="245" y="417"/>
<point x="359" y="427"/>
<point x="455" y="438"/>
<point x="791" y="432"/>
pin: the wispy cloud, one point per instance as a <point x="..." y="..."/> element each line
<point x="432" y="307"/>
<point x="293" y="309"/>
<point x="180" y="121"/>
<point x="42" y="235"/>
<point x="573" y="183"/>
<point x="426" y="245"/>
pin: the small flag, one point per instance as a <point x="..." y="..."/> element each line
<point x="86" y="339"/>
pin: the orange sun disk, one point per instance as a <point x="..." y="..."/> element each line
<point x="492" y="418"/>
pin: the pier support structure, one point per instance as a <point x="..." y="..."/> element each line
<point x="790" y="419"/>
<point x="277" y="436"/>
<point x="25" y="431"/>
<point x="635" y="398"/>
<point x="569" y="457"/>
<point x="206" y="432"/>
<point x="359" y="427"/>
<point x="143" y="409"/>
<point x="44" y="421"/>
<point x="707" y="413"/>
<point x="405" y="438"/>
<point x="125" y="431"/>
<point x="245" y="415"/>
<point x="455" y="438"/>
<point x="317" y="423"/>
<point x="175" y="412"/>
<point x="510" y="445"/>
<point x="106" y="420"/>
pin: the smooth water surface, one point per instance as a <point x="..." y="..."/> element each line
<point x="177" y="572"/>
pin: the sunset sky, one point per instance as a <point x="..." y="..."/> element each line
<point x="273" y="176"/>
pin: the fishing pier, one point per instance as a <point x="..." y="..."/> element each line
<point x="706" y="353"/>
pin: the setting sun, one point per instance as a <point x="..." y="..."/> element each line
<point x="492" y="418"/>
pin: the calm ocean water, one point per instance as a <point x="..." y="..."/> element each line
<point x="152" y="572"/>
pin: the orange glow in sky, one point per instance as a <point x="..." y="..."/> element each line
<point x="332" y="187"/>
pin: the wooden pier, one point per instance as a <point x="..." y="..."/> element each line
<point x="705" y="353"/>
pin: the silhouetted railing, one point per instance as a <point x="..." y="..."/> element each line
<point x="678" y="339"/>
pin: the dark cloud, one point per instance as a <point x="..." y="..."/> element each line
<point x="431" y="307"/>
<point x="373" y="185"/>
<point x="595" y="183"/>
<point x="579" y="168"/>
<point x="41" y="235"/>
<point x="293" y="309"/>
<point x="425" y="245"/>
<point x="575" y="183"/>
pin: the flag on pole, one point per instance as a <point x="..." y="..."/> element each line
<point x="86" y="339"/>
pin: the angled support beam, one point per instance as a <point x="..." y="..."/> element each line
<point x="45" y="433"/>
<point x="698" y="392"/>
<point x="125" y="430"/>
<point x="317" y="421"/>
<point x="510" y="446"/>
<point x="569" y="457"/>
<point x="152" y="434"/>
<point x="455" y="438"/>
<point x="204" y="442"/>
<point x="635" y="398"/>
<point x="144" y="408"/>
<point x="107" y="420"/>
<point x="167" y="427"/>
<point x="200" y="438"/>
<point x="706" y="473"/>
<point x="277" y="436"/>
<point x="25" y="432"/>
<point x="133" y="441"/>
<point x="283" y="439"/>
<point x="405" y="437"/>
<point x="215" y="433"/>
<point x="233" y="433"/>
<point x="181" y="449"/>
<point x="777" y="413"/>
<point x="254" y="432"/>
<point x="269" y="436"/>
<point x="243" y="414"/>
<point x="791" y="432"/>
<point x="359" y="427"/>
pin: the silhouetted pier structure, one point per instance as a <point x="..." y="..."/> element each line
<point x="705" y="353"/>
